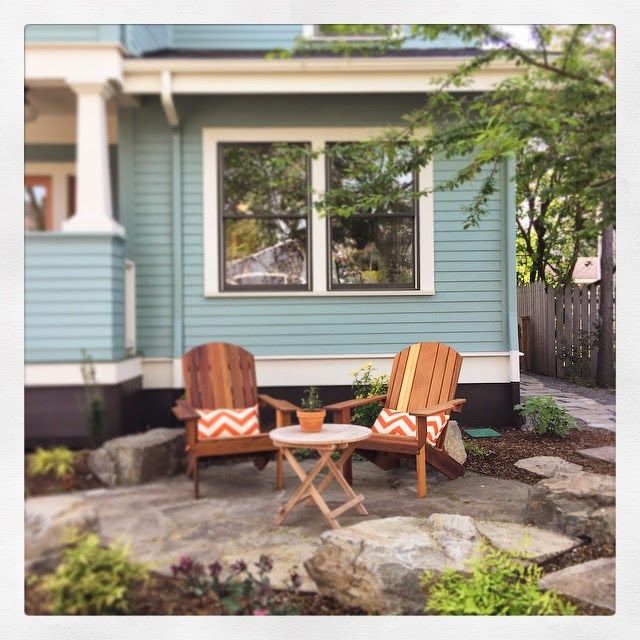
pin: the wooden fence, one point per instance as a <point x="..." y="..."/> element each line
<point x="558" y="329"/>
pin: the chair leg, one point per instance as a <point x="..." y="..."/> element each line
<point x="421" y="471"/>
<point x="279" y="470"/>
<point x="196" y="478"/>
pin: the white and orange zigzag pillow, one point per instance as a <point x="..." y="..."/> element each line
<point x="227" y="423"/>
<point x="398" y="423"/>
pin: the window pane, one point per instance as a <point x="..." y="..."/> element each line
<point x="357" y="168"/>
<point x="372" y="251"/>
<point x="265" y="252"/>
<point x="36" y="204"/>
<point x="265" y="179"/>
<point x="350" y="30"/>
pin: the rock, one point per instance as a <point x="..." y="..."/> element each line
<point x="377" y="564"/>
<point x="537" y="545"/>
<point x="48" y="521"/>
<point x="548" y="466"/>
<point x="579" y="505"/>
<point x="592" y="582"/>
<point x="453" y="443"/>
<point x="608" y="454"/>
<point x="139" y="458"/>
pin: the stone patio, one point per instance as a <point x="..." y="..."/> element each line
<point x="576" y="402"/>
<point x="235" y="516"/>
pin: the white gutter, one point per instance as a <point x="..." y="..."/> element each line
<point x="166" y="98"/>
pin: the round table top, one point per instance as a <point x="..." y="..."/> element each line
<point x="330" y="434"/>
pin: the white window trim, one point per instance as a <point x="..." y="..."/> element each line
<point x="312" y="33"/>
<point x="317" y="137"/>
<point x="58" y="172"/>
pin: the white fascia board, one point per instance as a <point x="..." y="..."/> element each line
<point x="309" y="75"/>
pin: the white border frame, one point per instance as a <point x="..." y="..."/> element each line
<point x="317" y="137"/>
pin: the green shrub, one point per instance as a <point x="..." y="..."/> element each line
<point x="546" y="416"/>
<point x="93" y="580"/>
<point x="58" y="461"/>
<point x="364" y="385"/>
<point x="474" y="449"/>
<point x="499" y="584"/>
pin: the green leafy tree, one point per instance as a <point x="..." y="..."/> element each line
<point x="555" y="115"/>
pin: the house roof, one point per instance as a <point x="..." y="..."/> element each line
<point x="235" y="54"/>
<point x="587" y="268"/>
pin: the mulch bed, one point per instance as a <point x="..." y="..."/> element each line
<point x="82" y="478"/>
<point x="514" y="444"/>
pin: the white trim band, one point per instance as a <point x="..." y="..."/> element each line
<point x="70" y="374"/>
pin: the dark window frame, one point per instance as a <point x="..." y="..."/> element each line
<point x="415" y="247"/>
<point x="223" y="286"/>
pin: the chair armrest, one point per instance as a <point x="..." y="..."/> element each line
<point x="276" y="403"/>
<point x="452" y="405"/>
<point x="355" y="402"/>
<point x="184" y="411"/>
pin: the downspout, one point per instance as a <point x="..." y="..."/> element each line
<point x="166" y="98"/>
<point x="511" y="290"/>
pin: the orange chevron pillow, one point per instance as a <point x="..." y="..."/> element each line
<point x="397" y="423"/>
<point x="227" y="423"/>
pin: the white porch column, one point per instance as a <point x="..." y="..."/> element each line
<point x="94" y="210"/>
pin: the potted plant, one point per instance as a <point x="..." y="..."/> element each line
<point x="311" y="414"/>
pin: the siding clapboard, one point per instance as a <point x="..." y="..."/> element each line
<point x="74" y="297"/>
<point x="466" y="311"/>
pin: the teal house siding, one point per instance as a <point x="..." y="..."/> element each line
<point x="146" y="205"/>
<point x="466" y="311"/>
<point x="74" y="297"/>
<point x="140" y="38"/>
<point x="73" y="33"/>
<point x="256" y="37"/>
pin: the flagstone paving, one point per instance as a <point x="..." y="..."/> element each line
<point x="235" y="516"/>
<point x="577" y="401"/>
<point x="601" y="453"/>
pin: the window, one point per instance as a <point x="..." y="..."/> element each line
<point x="362" y="32"/>
<point x="262" y="235"/>
<point x="376" y="248"/>
<point x="264" y="209"/>
<point x="38" y="203"/>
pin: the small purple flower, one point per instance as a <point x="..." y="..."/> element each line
<point x="215" y="569"/>
<point x="239" y="566"/>
<point x="186" y="563"/>
<point x="261" y="612"/>
<point x="265" y="563"/>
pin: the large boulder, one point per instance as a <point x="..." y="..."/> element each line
<point x="49" y="520"/>
<point x="139" y="458"/>
<point x="377" y="564"/>
<point x="581" y="505"/>
<point x="592" y="582"/>
<point x="453" y="443"/>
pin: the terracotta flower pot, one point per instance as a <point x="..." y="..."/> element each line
<point x="311" y="421"/>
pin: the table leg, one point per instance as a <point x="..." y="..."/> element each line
<point x="306" y="485"/>
<point x="346" y="454"/>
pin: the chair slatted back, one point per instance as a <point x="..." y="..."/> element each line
<point x="219" y="375"/>
<point x="424" y="374"/>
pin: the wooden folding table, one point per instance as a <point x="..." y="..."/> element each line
<point x="333" y="437"/>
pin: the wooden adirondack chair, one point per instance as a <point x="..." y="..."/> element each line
<point x="222" y="376"/>
<point x="423" y="383"/>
